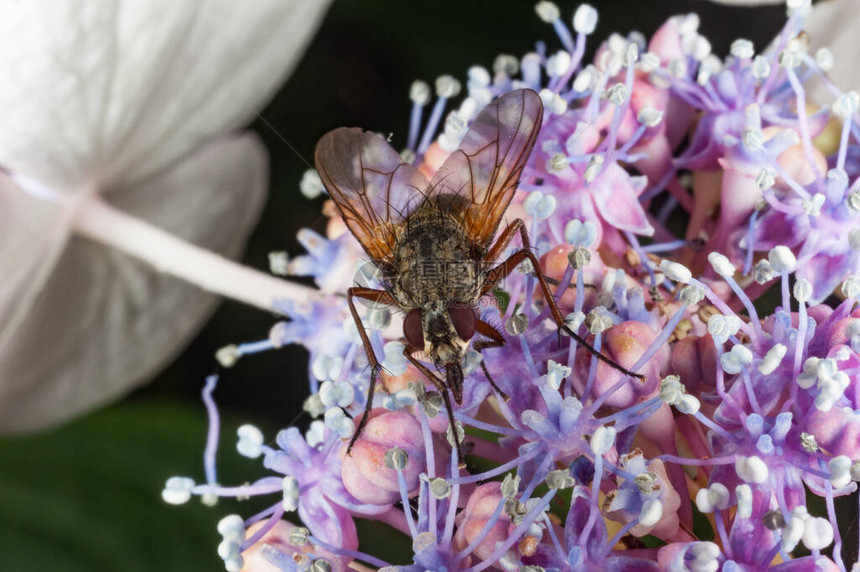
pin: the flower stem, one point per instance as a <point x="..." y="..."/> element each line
<point x="99" y="221"/>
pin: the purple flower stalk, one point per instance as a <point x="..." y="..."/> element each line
<point x="741" y="416"/>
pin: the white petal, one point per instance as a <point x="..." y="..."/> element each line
<point x="112" y="91"/>
<point x="834" y="25"/>
<point x="106" y="322"/>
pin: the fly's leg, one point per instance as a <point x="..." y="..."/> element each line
<point x="380" y="297"/>
<point x="517" y="258"/>
<point x="443" y="389"/>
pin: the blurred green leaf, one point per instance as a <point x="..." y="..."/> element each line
<point x="88" y="496"/>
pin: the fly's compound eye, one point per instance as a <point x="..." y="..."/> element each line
<point x="413" y="331"/>
<point x="465" y="321"/>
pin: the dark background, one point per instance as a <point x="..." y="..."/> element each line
<point x="87" y="496"/>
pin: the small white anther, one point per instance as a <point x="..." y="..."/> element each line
<point x="558" y="64"/>
<point x="723" y="327"/>
<point x="751" y="469"/>
<point x="721" y="265"/>
<point x="290" y="488"/>
<point x="649" y="116"/>
<point x="557" y="163"/>
<point x="802" y="290"/>
<point x="846" y="105"/>
<point x="228" y="355"/>
<point x="817" y="533"/>
<point x="745" y="498"/>
<point x="585" y="19"/>
<point x="547" y="11"/>
<point x="617" y="94"/>
<point x="337" y="421"/>
<point x="734" y="361"/>
<point x="715" y="497"/>
<point x="311" y="185"/>
<point x="676" y="271"/>
<point x="772" y="359"/>
<point x="651" y="512"/>
<point x="447" y="86"/>
<point x="595" y="166"/>
<point x="782" y="260"/>
<point x="760" y="67"/>
<point x="177" y="490"/>
<point x="419" y="92"/>
<point x="580" y="233"/>
<point x="742" y="48"/>
<point x="279" y="263"/>
<point x="648" y="62"/>
<point x="506" y="64"/>
<point x="691" y="295"/>
<point x="753" y="139"/>
<point x="812" y="207"/>
<point x="553" y="102"/>
<point x="250" y="443"/>
<point x="854" y="239"/>
<point x="603" y="439"/>
<point x="586" y="79"/>
<point x="824" y="59"/>
<point x="851" y="287"/>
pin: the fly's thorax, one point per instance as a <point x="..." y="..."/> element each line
<point x="435" y="260"/>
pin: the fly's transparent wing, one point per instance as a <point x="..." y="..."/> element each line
<point x="370" y="184"/>
<point x="479" y="179"/>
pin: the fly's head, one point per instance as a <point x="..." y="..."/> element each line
<point x="443" y="329"/>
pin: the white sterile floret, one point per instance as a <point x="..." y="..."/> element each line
<point x="578" y="233"/>
<point x="676" y="271"/>
<point x="395" y="361"/>
<point x="447" y="86"/>
<point x="311" y="185"/>
<point x="745" y="498"/>
<point x="817" y="533"/>
<point x="290" y="487"/>
<point x="250" y="443"/>
<point x="751" y="469"/>
<point x="772" y="359"/>
<point x="649" y="116"/>
<point x="553" y="102"/>
<point x="723" y="327"/>
<point x="547" y="11"/>
<point x="782" y="259"/>
<point x="228" y="355"/>
<point x="824" y="59"/>
<point x="337" y="421"/>
<point x="585" y="19"/>
<point x="556" y="373"/>
<point x="337" y="393"/>
<point x="558" y="64"/>
<point x="715" y="497"/>
<point x="326" y="367"/>
<point x="177" y="490"/>
<point x="315" y="433"/>
<point x="742" y="48"/>
<point x="734" y="361"/>
<point x="840" y="471"/>
<point x="603" y="439"/>
<point x="651" y="513"/>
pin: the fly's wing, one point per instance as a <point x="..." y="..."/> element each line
<point x="478" y="180"/>
<point x="371" y="186"/>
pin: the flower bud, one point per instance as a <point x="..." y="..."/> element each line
<point x="365" y="472"/>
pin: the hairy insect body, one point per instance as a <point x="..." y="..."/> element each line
<point x="436" y="272"/>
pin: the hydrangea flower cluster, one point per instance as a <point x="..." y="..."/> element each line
<point x="707" y="462"/>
